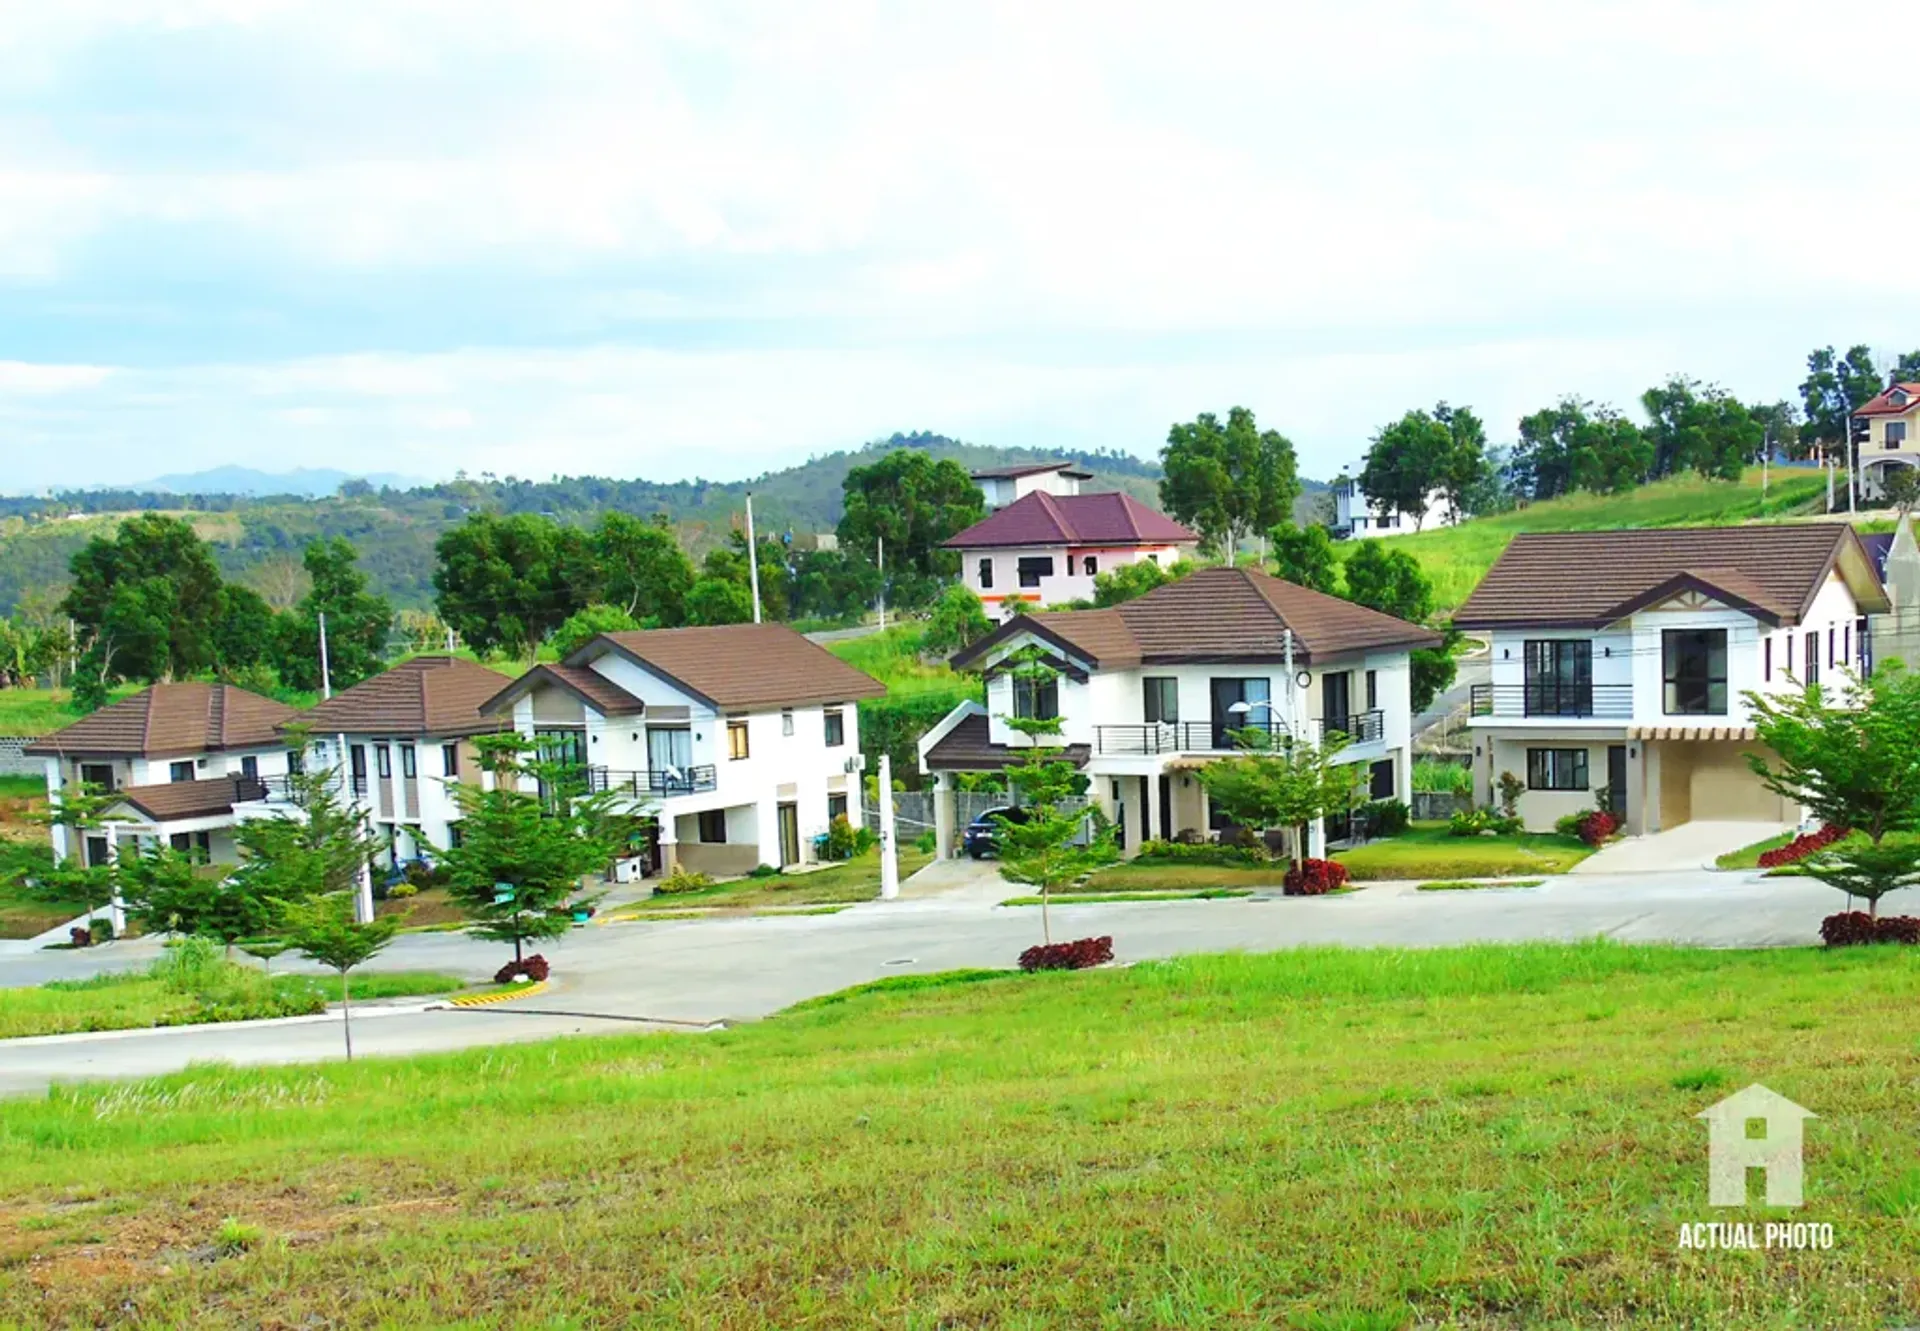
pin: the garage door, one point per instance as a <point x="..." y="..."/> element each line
<point x="1724" y="788"/>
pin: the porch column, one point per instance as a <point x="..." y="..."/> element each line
<point x="767" y="820"/>
<point x="1636" y="791"/>
<point x="116" y="908"/>
<point x="944" y="815"/>
<point x="1317" y="839"/>
<point x="668" y="843"/>
<point x="1150" y="784"/>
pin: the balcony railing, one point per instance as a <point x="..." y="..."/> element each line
<point x="645" y="785"/>
<point x="1159" y="737"/>
<point x="1358" y="727"/>
<point x="1554" y="699"/>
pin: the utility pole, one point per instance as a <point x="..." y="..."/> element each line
<point x="1293" y="701"/>
<point x="326" y="675"/>
<point x="880" y="558"/>
<point x="889" y="849"/>
<point x="753" y="559"/>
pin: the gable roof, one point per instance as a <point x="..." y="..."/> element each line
<point x="1049" y="519"/>
<point x="426" y="695"/>
<point x="1019" y="469"/>
<point x="1882" y="404"/>
<point x="168" y="720"/>
<point x="169" y="801"/>
<point x="583" y="682"/>
<point x="968" y="747"/>
<point x="739" y="667"/>
<point x="1213" y="614"/>
<point x="1588" y="579"/>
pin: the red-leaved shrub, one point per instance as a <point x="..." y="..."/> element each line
<point x="1801" y="846"/>
<point x="1312" y="878"/>
<point x="532" y="968"/>
<point x="1075" y="956"/>
<point x="1596" y="826"/>
<point x="1854" y="927"/>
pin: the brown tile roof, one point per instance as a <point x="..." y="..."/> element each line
<point x="1586" y="579"/>
<point x="166" y="720"/>
<point x="172" y="800"/>
<point x="1047" y="519"/>
<point x="1030" y="469"/>
<point x="427" y="695"/>
<point x="966" y="748"/>
<point x="740" y="666"/>
<point x="1882" y="404"/>
<point x="1214" y="614"/>
<point x="583" y="682"/>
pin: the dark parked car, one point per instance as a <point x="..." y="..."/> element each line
<point x="982" y="836"/>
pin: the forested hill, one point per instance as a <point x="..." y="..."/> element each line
<point x="259" y="539"/>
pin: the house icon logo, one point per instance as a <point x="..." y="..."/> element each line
<point x="1733" y="1147"/>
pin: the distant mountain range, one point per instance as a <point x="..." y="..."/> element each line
<point x="306" y="482"/>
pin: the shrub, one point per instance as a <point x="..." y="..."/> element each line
<point x="682" y="879"/>
<point x="764" y="871"/>
<point x="1802" y="846"/>
<point x="1854" y="927"/>
<point x="101" y="928"/>
<point x="1313" y="878"/>
<point x="927" y="842"/>
<point x="844" y="840"/>
<point x="1075" y="956"/>
<point x="400" y="891"/>
<point x="1187" y="852"/>
<point x="1482" y="822"/>
<point x="530" y="968"/>
<point x="421" y="875"/>
<point x="1386" y="817"/>
<point x="1595" y="826"/>
<point x="1442" y="777"/>
<point x="1511" y="789"/>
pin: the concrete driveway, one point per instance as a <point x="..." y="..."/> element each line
<point x="1693" y="845"/>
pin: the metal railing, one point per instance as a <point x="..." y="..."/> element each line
<point x="1553" y="698"/>
<point x="1358" y="727"/>
<point x="1151" y="738"/>
<point x="640" y="785"/>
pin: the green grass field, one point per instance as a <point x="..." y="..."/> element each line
<point x="894" y="658"/>
<point x="1455" y="558"/>
<point x="1457" y="885"/>
<point x="856" y="880"/>
<point x="1482" y="1137"/>
<point x="1427" y="851"/>
<point x="1173" y="876"/>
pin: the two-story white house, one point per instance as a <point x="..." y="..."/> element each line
<point x="743" y="739"/>
<point x="1893" y="436"/>
<point x="1355" y="516"/>
<point x="1000" y="486"/>
<point x="1620" y="661"/>
<point x="1046" y="549"/>
<point x="179" y="756"/>
<point x="1151" y="690"/>
<point x="401" y="740"/>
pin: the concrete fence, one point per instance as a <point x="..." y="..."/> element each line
<point x="1439" y="805"/>
<point x="14" y="760"/>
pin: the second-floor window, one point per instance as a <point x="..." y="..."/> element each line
<point x="986" y="574"/>
<point x="1559" y="677"/>
<point x="250" y="767"/>
<point x="180" y="771"/>
<point x="1694" y="665"/>
<point x="836" y="727"/>
<point x="383" y="761"/>
<point x="450" y="759"/>
<point x="786" y="722"/>
<point x="408" y="767"/>
<point x="99" y="774"/>
<point x="1036" y="699"/>
<point x="1035" y="567"/>
<point x="1813" y="657"/>
<point x="1161" y="698"/>
<point x="736" y="739"/>
<point x="1896" y="433"/>
<point x="1373" y="690"/>
<point x="1090" y="565"/>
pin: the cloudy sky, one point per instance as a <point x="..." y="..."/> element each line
<point x="668" y="239"/>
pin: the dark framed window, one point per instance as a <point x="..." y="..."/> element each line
<point x="713" y="826"/>
<point x="1813" y="658"/>
<point x="296" y="762"/>
<point x="786" y="721"/>
<point x="1373" y="690"/>
<point x="409" y="766"/>
<point x="1036" y="699"/>
<point x="1035" y="567"/>
<point x="1559" y="677"/>
<point x="180" y="771"/>
<point x="836" y="727"/>
<point x="1846" y="644"/>
<point x="1694" y="667"/>
<point x="1787" y="661"/>
<point x="1090" y="565"/>
<point x="250" y="768"/>
<point x="1766" y="661"/>
<point x="1896" y="433"/>
<point x="383" y="761"/>
<point x="736" y="740"/>
<point x="450" y="759"/>
<point x="1380" y="778"/>
<point x="97" y="774"/>
<point x="836" y="807"/>
<point x="454" y="836"/>
<point x="1557" y="769"/>
<point x="986" y="573"/>
<point x="1160" y="698"/>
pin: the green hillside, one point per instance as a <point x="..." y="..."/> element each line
<point x="1457" y="557"/>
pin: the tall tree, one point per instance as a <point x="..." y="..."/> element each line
<point x="1228" y="481"/>
<point x="1466" y="472"/>
<point x="1406" y="463"/>
<point x="1305" y="555"/>
<point x="358" y="622"/>
<point x="1126" y="582"/>
<point x="146" y="601"/>
<point x="324" y="849"/>
<point x="913" y="503"/>
<point x="1290" y="784"/>
<point x="505" y="583"/>
<point x="1577" y="445"/>
<point x="243" y="630"/>
<point x="1836" y="387"/>
<point x="1779" y="427"/>
<point x="1698" y="427"/>
<point x="588" y="623"/>
<point x="642" y="567"/>
<point x="717" y="600"/>
<point x="1906" y="370"/>
<point x="1392" y="582"/>
<point x="958" y="619"/>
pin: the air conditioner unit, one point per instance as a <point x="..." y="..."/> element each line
<point x="857" y="763"/>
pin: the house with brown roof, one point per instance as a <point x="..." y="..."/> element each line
<point x="1621" y="661"/>
<point x="1892" y="419"/>
<point x="742" y="739"/>
<point x="1046" y="549"/>
<point x="400" y="741"/>
<point x="1150" y="691"/>
<point x="181" y="756"/>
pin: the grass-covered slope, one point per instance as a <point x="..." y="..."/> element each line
<point x="1485" y="1137"/>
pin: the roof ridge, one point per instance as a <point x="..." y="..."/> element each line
<point x="151" y="693"/>
<point x="1127" y="502"/>
<point x="217" y="716"/>
<point x="1061" y="522"/>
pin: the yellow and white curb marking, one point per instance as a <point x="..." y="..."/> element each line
<point x="482" y="1000"/>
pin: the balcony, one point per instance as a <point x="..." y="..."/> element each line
<point x="651" y="785"/>
<point x="1154" y="738"/>
<point x="1553" y="700"/>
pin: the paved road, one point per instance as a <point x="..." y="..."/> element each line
<point x="700" y="971"/>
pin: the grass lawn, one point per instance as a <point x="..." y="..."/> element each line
<point x="1482" y="1137"/>
<point x="1460" y="886"/>
<point x="1456" y="557"/>
<point x="429" y="908"/>
<point x="858" y="879"/>
<point x="1173" y="876"/>
<point x="1427" y="851"/>
<point x="1748" y="857"/>
<point x="1098" y="898"/>
<point x="893" y="658"/>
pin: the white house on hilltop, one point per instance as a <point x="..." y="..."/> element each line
<point x="1355" y="516"/>
<point x="1000" y="486"/>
